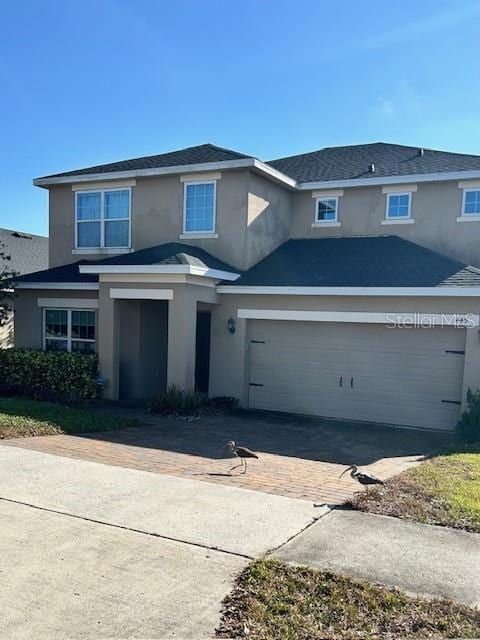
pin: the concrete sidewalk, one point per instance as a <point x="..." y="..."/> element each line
<point x="420" y="559"/>
<point x="237" y="521"/>
<point x="63" y="577"/>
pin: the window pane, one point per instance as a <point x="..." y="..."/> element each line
<point x="56" y="345"/>
<point x="116" y="233"/>
<point x="472" y="203"/>
<point x="56" y="323"/>
<point x="88" y="234"/>
<point x="327" y="210"/>
<point x="83" y="325"/>
<point x="398" y="206"/>
<point x="199" y="207"/>
<point x="83" y="347"/>
<point x="88" y="206"/>
<point x="117" y="204"/>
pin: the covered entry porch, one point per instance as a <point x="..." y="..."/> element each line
<point x="151" y="337"/>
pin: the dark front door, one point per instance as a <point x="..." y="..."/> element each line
<point x="202" y="351"/>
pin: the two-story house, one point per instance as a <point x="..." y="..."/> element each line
<point x="333" y="283"/>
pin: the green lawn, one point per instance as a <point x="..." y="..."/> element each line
<point x="273" y="601"/>
<point x="444" y="490"/>
<point x="21" y="417"/>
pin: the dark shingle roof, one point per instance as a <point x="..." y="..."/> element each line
<point x="170" y="253"/>
<point x="27" y="252"/>
<point x="381" y="261"/>
<point x="348" y="163"/>
<point x="192" y="155"/>
<point x="66" y="273"/>
<point x="167" y="254"/>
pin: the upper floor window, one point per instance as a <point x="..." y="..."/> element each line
<point x="102" y="218"/>
<point x="398" y="206"/>
<point x="69" y="330"/>
<point x="199" y="207"/>
<point x="326" y="210"/>
<point x="471" y="202"/>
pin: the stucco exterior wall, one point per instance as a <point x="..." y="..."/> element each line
<point x="157" y="218"/>
<point x="435" y="208"/>
<point x="229" y="353"/>
<point x="268" y="219"/>
<point x="143" y="348"/>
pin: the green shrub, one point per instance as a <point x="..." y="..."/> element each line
<point x="47" y="375"/>
<point x="468" y="427"/>
<point x="178" y="401"/>
<point x="182" y="402"/>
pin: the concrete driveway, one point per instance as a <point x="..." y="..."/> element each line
<point x="300" y="457"/>
<point x="96" y="551"/>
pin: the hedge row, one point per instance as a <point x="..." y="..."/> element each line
<point x="48" y="375"/>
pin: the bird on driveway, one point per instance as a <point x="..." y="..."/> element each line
<point x="363" y="478"/>
<point x="241" y="452"/>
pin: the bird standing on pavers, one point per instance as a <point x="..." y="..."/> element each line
<point x="363" y="478"/>
<point x="241" y="452"/>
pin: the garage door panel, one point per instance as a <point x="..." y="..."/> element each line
<point x="400" y="376"/>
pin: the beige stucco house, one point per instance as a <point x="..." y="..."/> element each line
<point x="341" y="283"/>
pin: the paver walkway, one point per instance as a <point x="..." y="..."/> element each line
<point x="299" y="457"/>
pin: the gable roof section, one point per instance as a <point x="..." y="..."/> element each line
<point x="27" y="252"/>
<point x="381" y="261"/>
<point x="170" y="254"/>
<point x="352" y="162"/>
<point x="64" y="274"/>
<point x="201" y="154"/>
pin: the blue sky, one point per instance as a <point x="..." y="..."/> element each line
<point x="89" y="82"/>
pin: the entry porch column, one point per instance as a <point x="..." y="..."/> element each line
<point x="182" y="329"/>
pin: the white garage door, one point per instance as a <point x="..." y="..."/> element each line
<point x="357" y="371"/>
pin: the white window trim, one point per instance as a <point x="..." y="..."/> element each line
<point x="69" y="338"/>
<point x="326" y="223"/>
<point x="393" y="219"/>
<point x="102" y="220"/>
<point x="84" y="304"/>
<point x="468" y="217"/>
<point x="208" y="232"/>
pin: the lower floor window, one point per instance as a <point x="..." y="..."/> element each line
<point x="69" y="330"/>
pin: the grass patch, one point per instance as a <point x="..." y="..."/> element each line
<point x="272" y="600"/>
<point x="444" y="490"/>
<point x="23" y="417"/>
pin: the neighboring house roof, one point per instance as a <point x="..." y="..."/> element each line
<point x="327" y="164"/>
<point x="192" y="155"/>
<point x="172" y="253"/>
<point x="351" y="162"/>
<point x="378" y="261"/>
<point x="27" y="252"/>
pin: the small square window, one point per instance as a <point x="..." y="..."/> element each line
<point x="398" y="206"/>
<point x="471" y="203"/>
<point x="327" y="209"/>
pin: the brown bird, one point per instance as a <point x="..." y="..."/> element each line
<point x="241" y="452"/>
<point x="360" y="476"/>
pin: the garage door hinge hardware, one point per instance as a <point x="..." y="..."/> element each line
<point x="255" y="384"/>
<point x="257" y="341"/>
<point x="460" y="353"/>
<point x="452" y="401"/>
